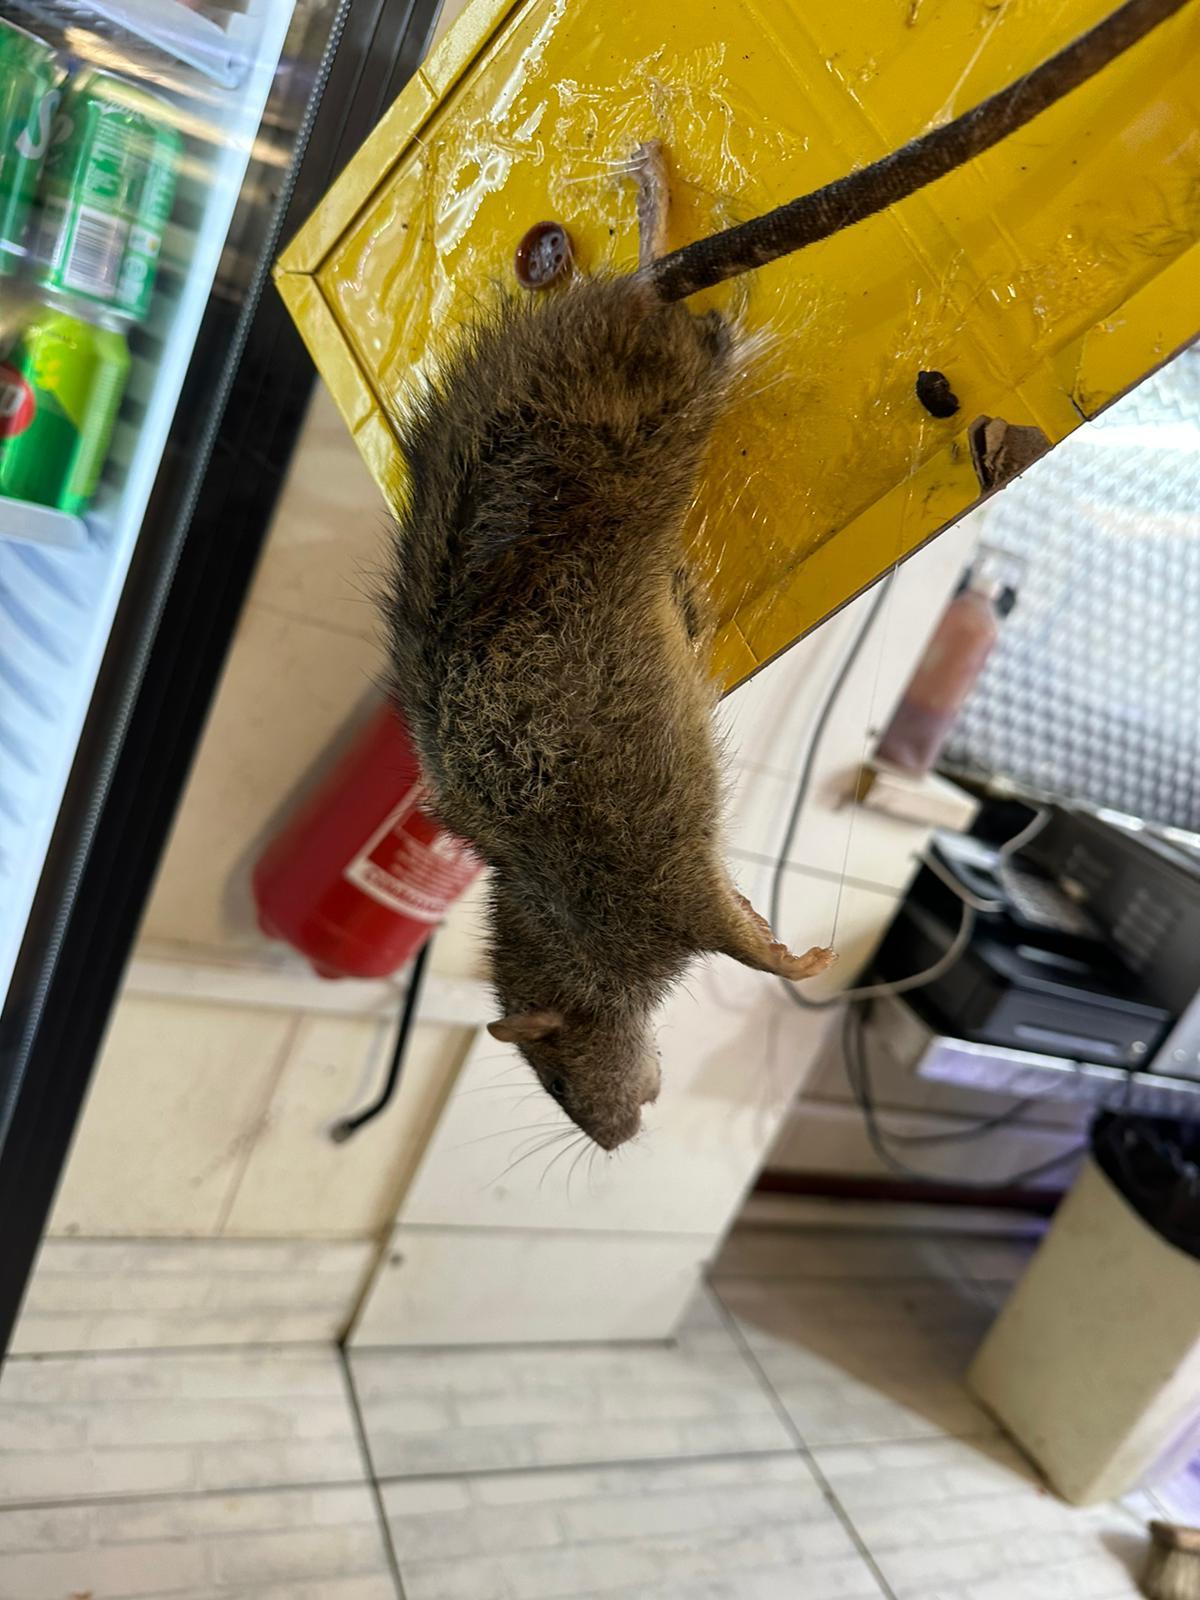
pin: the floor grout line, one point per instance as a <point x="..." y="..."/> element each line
<point x="592" y="1464"/>
<point x="364" y="1446"/>
<point x="148" y="1351"/>
<point x="128" y="1497"/>
<point x="534" y="1346"/>
<point x="802" y="1449"/>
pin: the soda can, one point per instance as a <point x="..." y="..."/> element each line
<point x="60" y="390"/>
<point x="29" y="96"/>
<point x="107" y="194"/>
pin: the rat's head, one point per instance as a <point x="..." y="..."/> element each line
<point x="601" y="1072"/>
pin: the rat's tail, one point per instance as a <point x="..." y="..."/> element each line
<point x="848" y="200"/>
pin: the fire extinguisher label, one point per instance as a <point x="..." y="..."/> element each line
<point x="411" y="864"/>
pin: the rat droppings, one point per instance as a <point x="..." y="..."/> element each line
<point x="936" y="395"/>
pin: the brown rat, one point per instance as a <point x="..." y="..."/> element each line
<point x="548" y="641"/>
<point x="549" y="654"/>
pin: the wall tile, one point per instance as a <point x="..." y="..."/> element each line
<point x="287" y="693"/>
<point x="103" y="1294"/>
<point x="328" y="542"/>
<point x="297" y="1180"/>
<point x="832" y="836"/>
<point x="177" y="1092"/>
<point x="767" y="720"/>
<point x="492" y="1286"/>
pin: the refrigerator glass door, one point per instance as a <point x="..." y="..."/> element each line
<point x="151" y="109"/>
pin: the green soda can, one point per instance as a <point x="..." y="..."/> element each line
<point x="60" y="390"/>
<point x="107" y="193"/>
<point x="29" y="96"/>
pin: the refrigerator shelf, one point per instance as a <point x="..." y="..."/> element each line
<point x="32" y="524"/>
<point x="223" y="54"/>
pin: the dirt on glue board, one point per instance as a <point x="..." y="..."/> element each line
<point x="980" y="278"/>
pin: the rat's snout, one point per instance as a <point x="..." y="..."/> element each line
<point x="613" y="1135"/>
<point x="651" y="1083"/>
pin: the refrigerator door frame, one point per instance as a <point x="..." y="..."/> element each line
<point x="221" y="473"/>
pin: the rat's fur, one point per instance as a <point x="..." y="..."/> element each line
<point x="548" y="654"/>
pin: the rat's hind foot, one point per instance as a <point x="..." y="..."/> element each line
<point x="648" y="167"/>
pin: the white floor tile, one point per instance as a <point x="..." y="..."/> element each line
<point x="956" y="1519"/>
<point x="291" y="1544"/>
<point x="729" y="1530"/>
<point x="123" y="1294"/>
<point x="195" y="1475"/>
<point x="474" y="1410"/>
<point x="79" y="1427"/>
<point x="864" y="1359"/>
<point x="836" y="1253"/>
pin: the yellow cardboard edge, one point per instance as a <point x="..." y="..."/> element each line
<point x="361" y="176"/>
<point x="733" y="661"/>
<point x="457" y="49"/>
<point x="1147" y="329"/>
<point x="342" y="375"/>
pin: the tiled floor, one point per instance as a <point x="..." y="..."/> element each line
<point x="807" y="1435"/>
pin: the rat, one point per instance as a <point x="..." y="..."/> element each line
<point x="549" y="640"/>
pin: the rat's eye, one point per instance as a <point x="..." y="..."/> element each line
<point x="557" y="1087"/>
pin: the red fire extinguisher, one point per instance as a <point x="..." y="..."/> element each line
<point x="361" y="874"/>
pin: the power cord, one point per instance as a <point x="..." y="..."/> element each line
<point x="347" y="1127"/>
<point x="970" y="903"/>
<point x="857" y="1070"/>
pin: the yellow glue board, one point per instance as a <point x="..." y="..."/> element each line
<point x="1044" y="279"/>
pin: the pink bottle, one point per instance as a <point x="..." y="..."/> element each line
<point x="949" y="669"/>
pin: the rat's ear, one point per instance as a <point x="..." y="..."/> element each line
<point x="749" y="939"/>
<point x="526" y="1026"/>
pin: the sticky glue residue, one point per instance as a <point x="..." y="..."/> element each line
<point x="982" y="278"/>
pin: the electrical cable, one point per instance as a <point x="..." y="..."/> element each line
<point x="347" y="1127"/>
<point x="971" y="904"/>
<point x="815" y="749"/>
<point x="860" y="1083"/>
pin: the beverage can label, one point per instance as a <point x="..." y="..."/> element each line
<point x="60" y="390"/>
<point x="29" y="95"/>
<point x="108" y="191"/>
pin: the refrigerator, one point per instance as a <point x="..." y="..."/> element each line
<point x="116" y="616"/>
